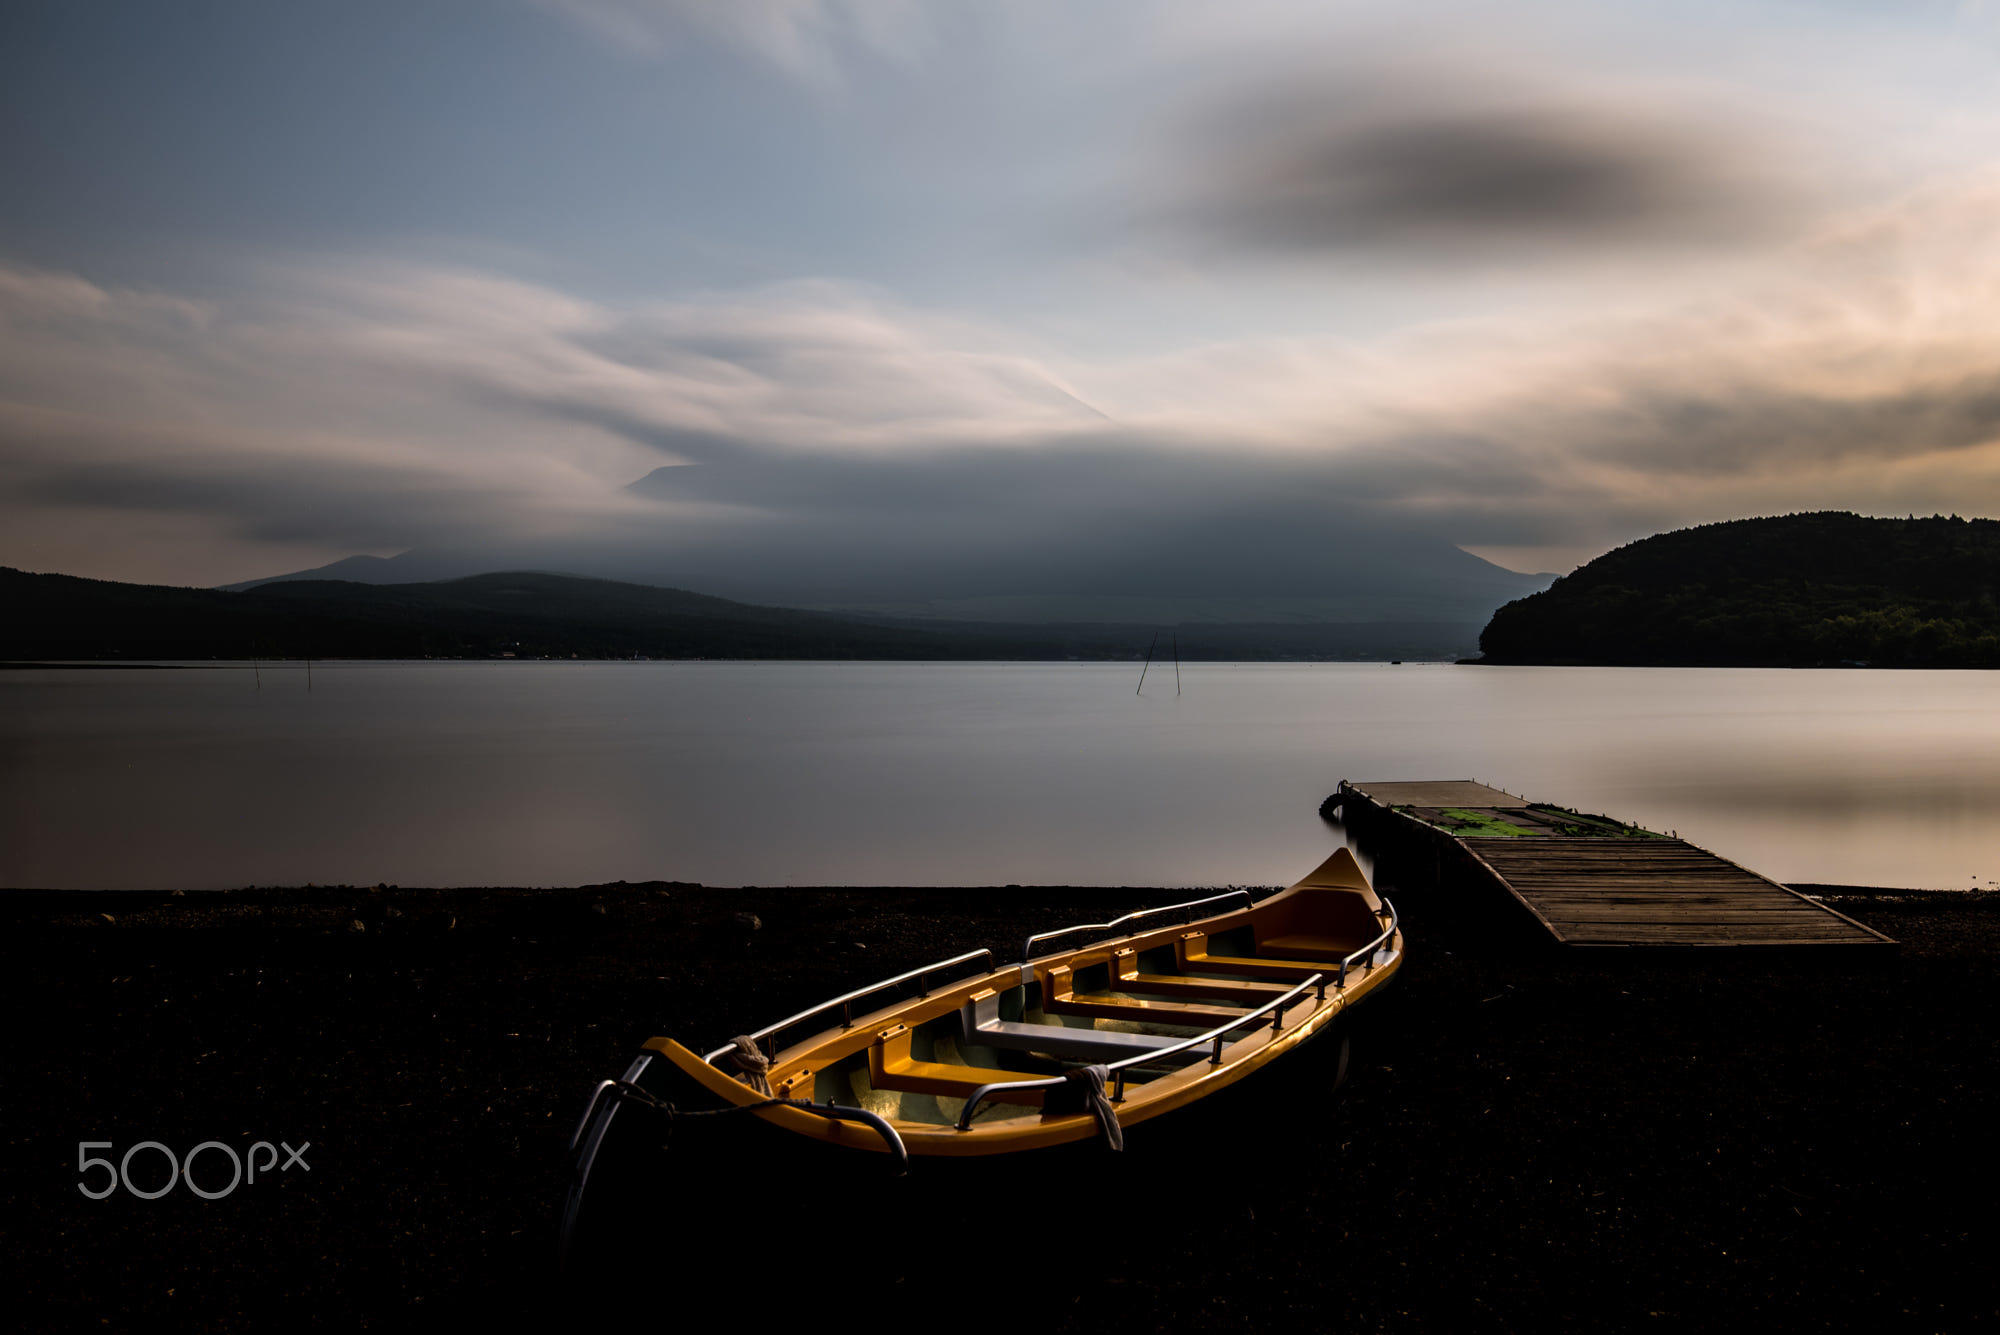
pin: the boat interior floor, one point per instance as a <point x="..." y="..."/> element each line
<point x="892" y="1067"/>
<point x="984" y="1026"/>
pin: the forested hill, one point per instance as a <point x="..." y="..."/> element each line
<point x="1800" y="590"/>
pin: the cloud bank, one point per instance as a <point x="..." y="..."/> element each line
<point x="345" y="407"/>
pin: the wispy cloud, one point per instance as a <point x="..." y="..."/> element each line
<point x="807" y="39"/>
<point x="370" y="407"/>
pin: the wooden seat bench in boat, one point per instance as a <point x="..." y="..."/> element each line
<point x="1059" y="997"/>
<point x="1308" y="934"/>
<point x="890" y="1066"/>
<point x="1125" y="975"/>
<point x="984" y="1026"/>
<point x="1192" y="952"/>
<point x="1303" y="946"/>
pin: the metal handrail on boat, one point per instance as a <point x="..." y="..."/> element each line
<point x="1117" y="1069"/>
<point x="1028" y="947"/>
<point x="846" y="1002"/>
<point x="590" y="1112"/>
<point x="1214" y="1036"/>
<point x="1388" y="934"/>
<point x="831" y="1112"/>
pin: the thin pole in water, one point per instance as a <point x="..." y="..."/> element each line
<point x="1149" y="662"/>
<point x="1177" y="662"/>
<point x="309" y="676"/>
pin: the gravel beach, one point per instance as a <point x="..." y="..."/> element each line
<point x="1619" y="1140"/>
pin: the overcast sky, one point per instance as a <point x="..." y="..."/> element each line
<point x="284" y="282"/>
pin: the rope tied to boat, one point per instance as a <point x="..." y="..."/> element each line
<point x="625" y="1091"/>
<point x="749" y="1064"/>
<point x="1083" y="1091"/>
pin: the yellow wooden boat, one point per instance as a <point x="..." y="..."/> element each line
<point x="1066" y="1047"/>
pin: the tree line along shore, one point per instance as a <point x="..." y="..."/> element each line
<point x="1807" y="590"/>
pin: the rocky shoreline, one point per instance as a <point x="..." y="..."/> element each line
<point x="1638" y="1141"/>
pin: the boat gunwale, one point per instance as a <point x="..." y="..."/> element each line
<point x="1029" y="959"/>
<point x="914" y="1010"/>
<point x="848" y="998"/>
<point x="1158" y="1095"/>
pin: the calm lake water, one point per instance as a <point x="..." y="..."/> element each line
<point x="951" y="774"/>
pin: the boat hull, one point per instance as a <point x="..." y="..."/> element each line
<point x="1008" y="1079"/>
<point x="689" y="1191"/>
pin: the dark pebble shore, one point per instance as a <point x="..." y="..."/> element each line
<point x="1602" y="1141"/>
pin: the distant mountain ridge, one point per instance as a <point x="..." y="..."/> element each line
<point x="516" y="614"/>
<point x="353" y="569"/>
<point x="529" y="614"/>
<point x="1801" y="590"/>
<point x="1350" y="577"/>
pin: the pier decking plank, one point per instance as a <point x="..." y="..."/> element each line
<point x="1613" y="889"/>
<point x="1444" y="793"/>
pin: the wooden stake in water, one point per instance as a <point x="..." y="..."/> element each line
<point x="1149" y="662"/>
<point x="1177" y="662"/>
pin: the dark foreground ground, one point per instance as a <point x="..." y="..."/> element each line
<point x="1592" y="1142"/>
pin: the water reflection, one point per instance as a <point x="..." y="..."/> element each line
<point x="862" y="773"/>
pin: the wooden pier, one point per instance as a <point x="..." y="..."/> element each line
<point x="1592" y="881"/>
